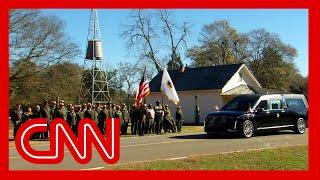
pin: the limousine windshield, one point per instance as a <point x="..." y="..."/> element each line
<point x="240" y="103"/>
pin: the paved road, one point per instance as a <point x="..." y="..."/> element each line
<point x="166" y="147"/>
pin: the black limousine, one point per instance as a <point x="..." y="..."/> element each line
<point x="246" y="114"/>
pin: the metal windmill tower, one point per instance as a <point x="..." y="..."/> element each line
<point x="94" y="78"/>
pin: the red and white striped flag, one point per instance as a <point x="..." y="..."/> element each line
<point x="143" y="89"/>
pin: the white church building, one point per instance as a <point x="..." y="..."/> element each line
<point x="205" y="87"/>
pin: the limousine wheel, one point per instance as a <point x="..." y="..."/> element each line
<point x="247" y="128"/>
<point x="300" y="126"/>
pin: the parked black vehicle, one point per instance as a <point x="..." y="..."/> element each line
<point x="246" y="114"/>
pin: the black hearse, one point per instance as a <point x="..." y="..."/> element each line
<point x="247" y="114"/>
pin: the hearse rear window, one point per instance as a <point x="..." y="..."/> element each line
<point x="295" y="103"/>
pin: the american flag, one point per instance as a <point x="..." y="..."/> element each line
<point x="143" y="89"/>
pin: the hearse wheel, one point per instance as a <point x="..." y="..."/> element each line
<point x="247" y="129"/>
<point x="300" y="126"/>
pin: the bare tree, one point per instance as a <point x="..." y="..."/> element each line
<point x="142" y="34"/>
<point x="145" y="34"/>
<point x="37" y="38"/>
<point x="129" y="72"/>
<point x="177" y="35"/>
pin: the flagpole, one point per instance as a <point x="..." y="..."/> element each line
<point x="162" y="98"/>
<point x="144" y="73"/>
<point x="161" y="92"/>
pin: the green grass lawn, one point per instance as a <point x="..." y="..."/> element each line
<point x="192" y="129"/>
<point x="284" y="158"/>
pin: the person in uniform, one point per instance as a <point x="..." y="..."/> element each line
<point x="79" y="115"/>
<point x="142" y="119"/>
<point x="169" y="123"/>
<point x="110" y="110"/>
<point x="37" y="114"/>
<point x="72" y="119"/>
<point x="82" y="111"/>
<point x="106" y="110"/>
<point x="16" y="117"/>
<point x="125" y="119"/>
<point x="84" y="108"/>
<point x="134" y="119"/>
<point x="53" y="109"/>
<point x="96" y="111"/>
<point x="113" y="109"/>
<point x="25" y="117"/>
<point x="179" y="119"/>
<point x="89" y="113"/>
<point x="118" y="114"/>
<point x="46" y="113"/>
<point x="61" y="111"/>
<point x="102" y="119"/>
<point x="158" y="118"/>
<point x="98" y="107"/>
<point x="150" y="119"/>
<point x="166" y="118"/>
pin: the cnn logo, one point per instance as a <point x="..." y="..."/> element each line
<point x="61" y="134"/>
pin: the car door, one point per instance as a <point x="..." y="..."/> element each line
<point x="262" y="114"/>
<point x="276" y="113"/>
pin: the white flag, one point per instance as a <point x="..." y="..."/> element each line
<point x="167" y="87"/>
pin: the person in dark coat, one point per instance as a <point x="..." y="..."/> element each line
<point x="118" y="114"/>
<point x="46" y="113"/>
<point x="79" y="116"/>
<point x="179" y="119"/>
<point x="72" y="119"/>
<point x="134" y="119"/>
<point x="16" y="117"/>
<point x="37" y="114"/>
<point x="142" y="115"/>
<point x="125" y="119"/>
<point x="53" y="110"/>
<point x="102" y="119"/>
<point x="90" y="113"/>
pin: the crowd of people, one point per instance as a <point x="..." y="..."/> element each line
<point x="144" y="119"/>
